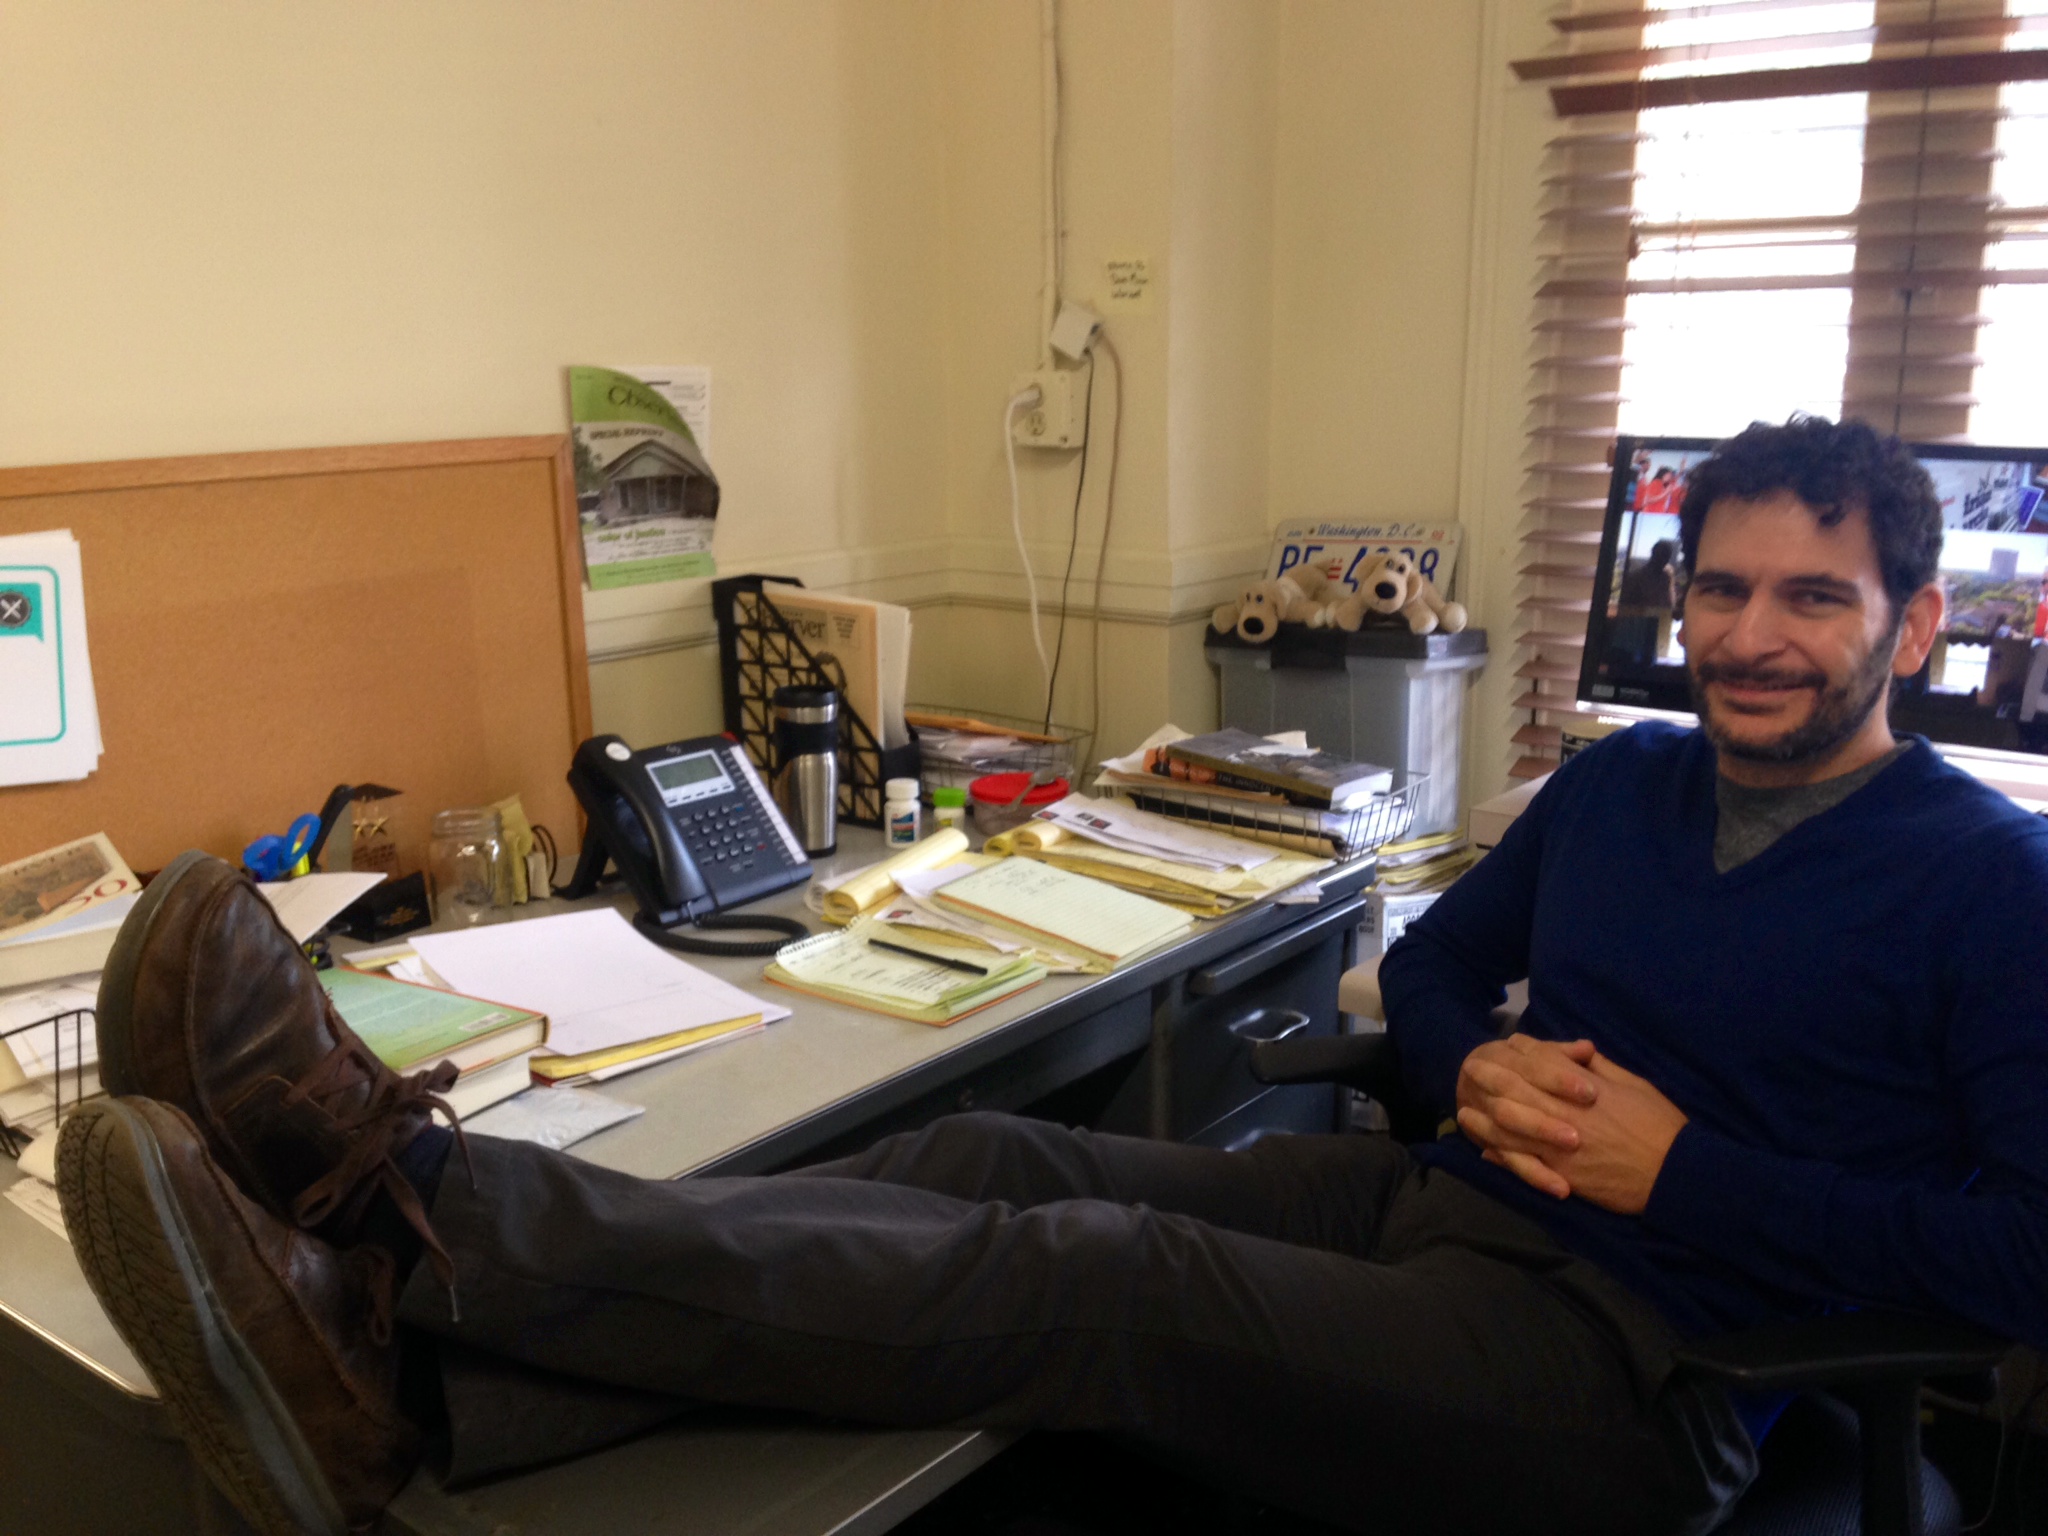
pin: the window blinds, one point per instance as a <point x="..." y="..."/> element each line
<point x="1761" y="206"/>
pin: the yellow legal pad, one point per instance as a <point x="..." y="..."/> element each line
<point x="1049" y="905"/>
<point x="923" y="988"/>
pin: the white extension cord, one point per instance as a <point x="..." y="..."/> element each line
<point x="1025" y="398"/>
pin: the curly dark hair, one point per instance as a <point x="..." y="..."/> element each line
<point x="1833" y="467"/>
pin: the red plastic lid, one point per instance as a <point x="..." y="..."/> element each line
<point x="999" y="789"/>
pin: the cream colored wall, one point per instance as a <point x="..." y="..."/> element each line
<point x="1513" y="124"/>
<point x="236" y="225"/>
<point x="1220" y="362"/>
<point x="1168" y="154"/>
<point x="1373" y="219"/>
<point x="1117" y="87"/>
<point x="1406" y="245"/>
<point x="1226" y="79"/>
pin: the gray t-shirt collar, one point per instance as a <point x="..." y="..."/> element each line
<point x="1750" y="819"/>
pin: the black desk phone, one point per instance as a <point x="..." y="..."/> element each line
<point x="692" y="830"/>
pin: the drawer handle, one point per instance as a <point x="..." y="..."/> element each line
<point x="1263" y="1025"/>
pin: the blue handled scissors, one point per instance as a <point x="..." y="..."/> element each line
<point x="274" y="858"/>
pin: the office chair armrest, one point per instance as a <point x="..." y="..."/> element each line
<point x="1848" y="1349"/>
<point x="1368" y="1063"/>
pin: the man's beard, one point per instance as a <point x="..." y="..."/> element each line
<point x="1839" y="710"/>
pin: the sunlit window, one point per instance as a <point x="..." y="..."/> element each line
<point x="1744" y="213"/>
<point x="2012" y="394"/>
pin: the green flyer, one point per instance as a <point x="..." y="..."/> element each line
<point x="645" y="494"/>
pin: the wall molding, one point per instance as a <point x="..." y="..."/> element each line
<point x="624" y="623"/>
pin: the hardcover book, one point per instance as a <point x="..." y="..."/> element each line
<point x="408" y="1026"/>
<point x="1238" y="759"/>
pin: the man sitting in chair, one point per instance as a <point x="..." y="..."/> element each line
<point x="1786" y="1048"/>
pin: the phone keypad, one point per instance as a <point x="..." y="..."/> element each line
<point x="730" y="835"/>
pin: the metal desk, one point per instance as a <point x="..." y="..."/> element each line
<point x="85" y="1447"/>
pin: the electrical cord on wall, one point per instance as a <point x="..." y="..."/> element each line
<point x="1073" y="542"/>
<point x="1025" y="398"/>
<point x="1116" y="434"/>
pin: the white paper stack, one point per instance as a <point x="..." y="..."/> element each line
<point x="49" y="715"/>
<point x="602" y="986"/>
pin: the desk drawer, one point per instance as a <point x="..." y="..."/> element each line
<point x="1197" y="1070"/>
<point x="1211" y="1038"/>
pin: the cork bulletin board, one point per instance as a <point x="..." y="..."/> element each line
<point x="265" y="626"/>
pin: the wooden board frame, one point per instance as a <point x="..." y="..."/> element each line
<point x="266" y="625"/>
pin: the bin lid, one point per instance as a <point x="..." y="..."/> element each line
<point x="1299" y="646"/>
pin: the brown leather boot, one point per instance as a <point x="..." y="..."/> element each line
<point x="207" y="1003"/>
<point x="272" y="1350"/>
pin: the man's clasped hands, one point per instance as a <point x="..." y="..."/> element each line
<point x="1567" y="1120"/>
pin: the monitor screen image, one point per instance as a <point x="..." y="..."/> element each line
<point x="1986" y="683"/>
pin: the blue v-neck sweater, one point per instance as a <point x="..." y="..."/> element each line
<point x="1855" y="1023"/>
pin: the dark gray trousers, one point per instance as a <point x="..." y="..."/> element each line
<point x="1316" y="1321"/>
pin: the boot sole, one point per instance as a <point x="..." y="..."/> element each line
<point x="116" y="1010"/>
<point x="137" y="1250"/>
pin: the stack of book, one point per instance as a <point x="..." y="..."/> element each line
<point x="60" y="910"/>
<point x="1287" y="794"/>
<point x="410" y="1026"/>
<point x="1424" y="863"/>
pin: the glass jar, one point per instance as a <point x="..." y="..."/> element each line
<point x="466" y="867"/>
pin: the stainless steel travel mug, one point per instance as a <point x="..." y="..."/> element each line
<point x="807" y="764"/>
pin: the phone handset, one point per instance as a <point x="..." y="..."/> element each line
<point x="605" y="763"/>
<point x="691" y="829"/>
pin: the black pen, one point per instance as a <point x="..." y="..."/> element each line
<point x="918" y="954"/>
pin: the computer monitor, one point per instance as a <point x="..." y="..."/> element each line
<point x="1985" y="685"/>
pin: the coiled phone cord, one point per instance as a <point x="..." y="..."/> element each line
<point x="684" y="943"/>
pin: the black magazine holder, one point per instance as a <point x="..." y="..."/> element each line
<point x="758" y="652"/>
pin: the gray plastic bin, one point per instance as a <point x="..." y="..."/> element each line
<point x="1377" y="696"/>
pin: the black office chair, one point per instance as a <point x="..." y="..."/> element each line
<point x="1844" y="1462"/>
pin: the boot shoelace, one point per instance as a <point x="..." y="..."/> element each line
<point x="381" y="1284"/>
<point x="373" y="1128"/>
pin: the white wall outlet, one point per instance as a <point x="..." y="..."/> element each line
<point x="1057" y="421"/>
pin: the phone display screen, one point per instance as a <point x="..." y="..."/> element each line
<point x="681" y="780"/>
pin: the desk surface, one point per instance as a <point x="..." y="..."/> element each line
<point x="746" y="1106"/>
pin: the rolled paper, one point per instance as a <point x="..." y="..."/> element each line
<point x="1031" y="837"/>
<point x="855" y="894"/>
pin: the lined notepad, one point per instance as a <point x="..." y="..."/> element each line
<point x="1066" y="910"/>
<point x="846" y="967"/>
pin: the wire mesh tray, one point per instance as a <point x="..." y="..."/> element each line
<point x="1333" y="834"/>
<point x="1063" y="757"/>
<point x="30" y="1108"/>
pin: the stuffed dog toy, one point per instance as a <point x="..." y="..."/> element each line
<point x="1391" y="584"/>
<point x="1306" y="595"/>
<point x="1324" y="603"/>
<point x="1257" y="613"/>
